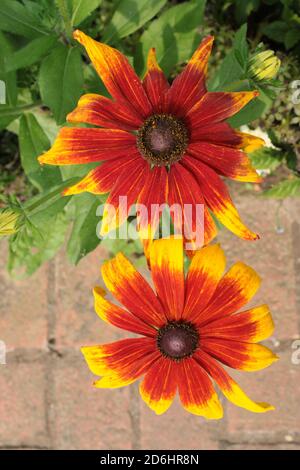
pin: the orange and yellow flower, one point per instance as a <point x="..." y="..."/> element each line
<point x="189" y="329"/>
<point x="160" y="143"/>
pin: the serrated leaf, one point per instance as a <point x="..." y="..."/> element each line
<point x="284" y="189"/>
<point x="33" y="142"/>
<point x="16" y="19"/>
<point x="81" y="9"/>
<point x="266" y="158"/>
<point x="129" y="16"/>
<point x="61" y="80"/>
<point x="30" y="54"/>
<point x="176" y="26"/>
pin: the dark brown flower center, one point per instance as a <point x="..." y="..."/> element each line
<point x="177" y="340"/>
<point x="162" y="139"/>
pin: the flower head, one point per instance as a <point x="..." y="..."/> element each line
<point x="160" y="143"/>
<point x="264" y="66"/>
<point x="9" y="222"/>
<point x="189" y="329"/>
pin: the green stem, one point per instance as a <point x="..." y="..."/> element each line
<point x="63" y="10"/>
<point x="20" y="109"/>
<point x="50" y="195"/>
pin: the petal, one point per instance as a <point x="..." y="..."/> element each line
<point x="152" y="199"/>
<point x="118" y="316"/>
<point x="159" y="386"/>
<point x="155" y="84"/>
<point x="189" y="86"/>
<point x="205" y="271"/>
<point x="217" y="198"/>
<point x="75" y="145"/>
<point x="235" y="290"/>
<point x="121" y="362"/>
<point x="130" y="288"/>
<point x="101" y="111"/>
<point x="102" y="179"/>
<point x="218" y="106"/>
<point x="221" y="133"/>
<point x="124" y="194"/>
<point x="196" y="391"/>
<point x="238" y="355"/>
<point x="227" y="161"/>
<point x="186" y="196"/>
<point x="251" y="326"/>
<point x="117" y="75"/>
<point x="229" y="387"/>
<point x="166" y="261"/>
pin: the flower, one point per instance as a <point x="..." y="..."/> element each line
<point x="189" y="328"/>
<point x="9" y="222"/>
<point x="159" y="143"/>
<point x="264" y="66"/>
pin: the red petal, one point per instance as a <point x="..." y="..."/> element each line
<point x="196" y="391"/>
<point x="130" y="288"/>
<point x="117" y="75"/>
<point x="101" y="111"/>
<point x="159" y="386"/>
<point x="217" y="198"/>
<point x="185" y="194"/>
<point x="227" y="161"/>
<point x="75" y="145"/>
<point x="155" y="84"/>
<point x="189" y="86"/>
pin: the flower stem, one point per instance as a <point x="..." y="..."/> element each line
<point x="63" y="9"/>
<point x="42" y="200"/>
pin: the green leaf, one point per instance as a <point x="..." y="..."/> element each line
<point x="266" y="158"/>
<point x="33" y="142"/>
<point x="253" y="110"/>
<point x="286" y="188"/>
<point x="129" y="16"/>
<point x="81" y="9"/>
<point x="16" y="19"/>
<point x="10" y="79"/>
<point x="292" y="37"/>
<point x="276" y="30"/>
<point x="61" y="80"/>
<point x="174" y="35"/>
<point x="30" y="54"/>
<point x="83" y="238"/>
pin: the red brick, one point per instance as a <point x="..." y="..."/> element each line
<point x="86" y="417"/>
<point x="77" y="324"/>
<point x="23" y="308"/>
<point x="278" y="385"/>
<point x="272" y="257"/>
<point x="177" y="429"/>
<point x="22" y="404"/>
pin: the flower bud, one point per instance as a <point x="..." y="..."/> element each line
<point x="264" y="66"/>
<point x="9" y="222"/>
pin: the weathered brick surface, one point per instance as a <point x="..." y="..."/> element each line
<point x="263" y="447"/>
<point x="23" y="405"/>
<point x="23" y="307"/>
<point x="85" y="417"/>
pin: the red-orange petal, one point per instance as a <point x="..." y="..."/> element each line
<point x="130" y="288"/>
<point x="217" y="198"/>
<point x="189" y="86"/>
<point x="238" y="355"/>
<point x="117" y="75"/>
<point x="124" y="194"/>
<point x="196" y="391"/>
<point x="119" y="317"/>
<point x="234" y="290"/>
<point x="166" y="262"/>
<point x="250" y="326"/>
<point x="159" y="386"/>
<point x="155" y="84"/>
<point x="76" y="145"/>
<point x="227" y="161"/>
<point x="101" y="111"/>
<point x="205" y="271"/>
<point x="102" y="179"/>
<point x="191" y="217"/>
<point x="218" y="106"/>
<point x="121" y="362"/>
<point x="229" y="387"/>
